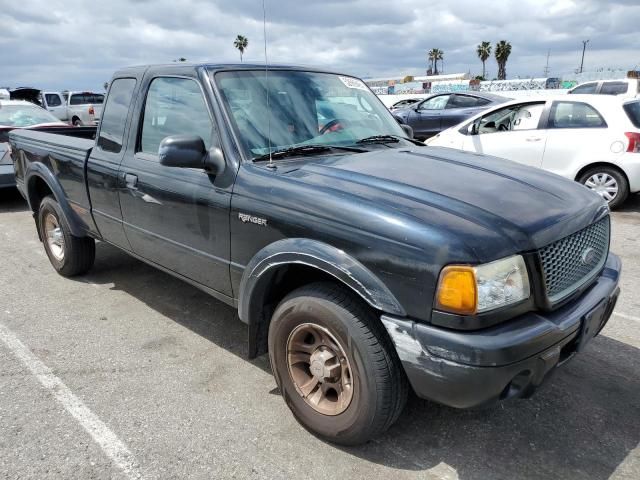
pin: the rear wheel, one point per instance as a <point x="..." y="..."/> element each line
<point x="608" y="182"/>
<point x="76" y="122"/>
<point x="69" y="255"/>
<point x="335" y="365"/>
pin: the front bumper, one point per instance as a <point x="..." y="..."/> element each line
<point x="465" y="369"/>
<point x="7" y="176"/>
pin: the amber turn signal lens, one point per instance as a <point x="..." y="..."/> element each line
<point x="457" y="291"/>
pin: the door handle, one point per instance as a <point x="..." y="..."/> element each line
<point x="533" y="139"/>
<point x="131" y="181"/>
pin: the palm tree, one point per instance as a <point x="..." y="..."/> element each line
<point x="434" y="55"/>
<point x="502" y="52"/>
<point x="241" y="43"/>
<point x="484" y="52"/>
<point x="430" y="55"/>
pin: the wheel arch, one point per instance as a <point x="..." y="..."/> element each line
<point x="288" y="264"/>
<point x="588" y="167"/>
<point x="40" y="182"/>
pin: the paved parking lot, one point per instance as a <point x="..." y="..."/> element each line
<point x="128" y="373"/>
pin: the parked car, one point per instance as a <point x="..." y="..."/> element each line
<point x="404" y="103"/>
<point x="594" y="140"/>
<point x="363" y="263"/>
<point x="18" y="114"/>
<point x="78" y="108"/>
<point x="629" y="87"/>
<point x="439" y="112"/>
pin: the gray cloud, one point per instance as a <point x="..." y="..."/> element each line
<point x="57" y="44"/>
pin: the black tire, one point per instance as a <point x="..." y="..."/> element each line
<point x="379" y="383"/>
<point x="76" y="122"/>
<point x="617" y="175"/>
<point x="78" y="252"/>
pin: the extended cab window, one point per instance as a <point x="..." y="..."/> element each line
<point x="77" y="99"/>
<point x="575" y="115"/>
<point x="174" y="106"/>
<point x="53" y="100"/>
<point x="115" y="114"/>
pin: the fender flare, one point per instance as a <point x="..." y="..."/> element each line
<point x="316" y="254"/>
<point x="39" y="170"/>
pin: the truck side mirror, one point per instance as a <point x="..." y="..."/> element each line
<point x="189" y="151"/>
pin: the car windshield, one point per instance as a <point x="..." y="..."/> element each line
<point x="284" y="109"/>
<point x="24" y="116"/>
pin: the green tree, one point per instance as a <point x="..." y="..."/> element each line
<point x="502" y="52"/>
<point x="241" y="43"/>
<point x="484" y="52"/>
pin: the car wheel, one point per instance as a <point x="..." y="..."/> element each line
<point x="608" y="182"/>
<point x="335" y="365"/>
<point x="69" y="255"/>
<point x="77" y="122"/>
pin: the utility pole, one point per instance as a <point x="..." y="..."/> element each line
<point x="546" y="67"/>
<point x="584" y="47"/>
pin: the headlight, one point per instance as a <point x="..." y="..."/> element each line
<point x="468" y="290"/>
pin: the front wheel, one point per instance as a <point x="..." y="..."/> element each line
<point x="335" y="365"/>
<point x="68" y="254"/>
<point x="608" y="182"/>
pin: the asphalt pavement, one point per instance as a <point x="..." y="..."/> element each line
<point x="127" y="372"/>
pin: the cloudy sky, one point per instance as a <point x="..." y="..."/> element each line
<point x="74" y="44"/>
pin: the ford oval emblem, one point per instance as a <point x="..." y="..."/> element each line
<point x="588" y="256"/>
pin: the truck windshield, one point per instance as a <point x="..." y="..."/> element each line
<point x="303" y="108"/>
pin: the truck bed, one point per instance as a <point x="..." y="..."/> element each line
<point x="63" y="154"/>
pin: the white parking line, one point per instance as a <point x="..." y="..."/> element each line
<point x="101" y="434"/>
<point x="628" y="317"/>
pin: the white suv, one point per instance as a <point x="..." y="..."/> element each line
<point x="629" y="87"/>
<point x="593" y="139"/>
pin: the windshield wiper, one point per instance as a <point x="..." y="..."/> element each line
<point x="304" y="150"/>
<point x="387" y="139"/>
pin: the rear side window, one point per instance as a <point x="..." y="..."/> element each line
<point x="115" y="114"/>
<point x="575" y="115"/>
<point x="633" y="112"/>
<point x="586" y="88"/>
<point x="174" y="106"/>
<point x="466" y="101"/>
<point x="614" y="88"/>
<point x="53" y="100"/>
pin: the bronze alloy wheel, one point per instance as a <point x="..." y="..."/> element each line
<point x="68" y="254"/>
<point x="54" y="236"/>
<point x="319" y="369"/>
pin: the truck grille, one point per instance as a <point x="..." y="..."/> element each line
<point x="571" y="262"/>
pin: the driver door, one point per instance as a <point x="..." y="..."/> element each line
<point x="177" y="218"/>
<point x="426" y="118"/>
<point x="511" y="132"/>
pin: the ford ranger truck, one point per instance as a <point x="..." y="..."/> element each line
<point x="363" y="262"/>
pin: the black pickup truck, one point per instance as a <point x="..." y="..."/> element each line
<point x="362" y="261"/>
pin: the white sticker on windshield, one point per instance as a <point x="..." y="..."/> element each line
<point x="353" y="83"/>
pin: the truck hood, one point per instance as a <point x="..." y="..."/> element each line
<point x="496" y="207"/>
